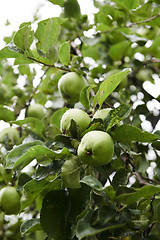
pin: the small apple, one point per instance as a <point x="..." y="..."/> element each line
<point x="81" y="118"/>
<point x="9" y="135"/>
<point x="102" y="113"/>
<point x="9" y="200"/>
<point x="70" y="86"/>
<point x="36" y="110"/>
<point x="96" y="148"/>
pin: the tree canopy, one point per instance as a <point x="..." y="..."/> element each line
<point x="117" y="54"/>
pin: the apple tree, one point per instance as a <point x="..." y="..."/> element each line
<point x="80" y="99"/>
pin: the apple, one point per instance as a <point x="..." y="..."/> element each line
<point x="36" y="110"/>
<point x="9" y="200"/>
<point x="72" y="9"/>
<point x="10" y="135"/>
<point x="81" y="118"/>
<point x="70" y="86"/>
<point x="96" y="148"/>
<point x="102" y="113"/>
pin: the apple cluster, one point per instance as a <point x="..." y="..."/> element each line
<point x="96" y="147"/>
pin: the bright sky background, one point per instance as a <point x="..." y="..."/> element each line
<point x="19" y="11"/>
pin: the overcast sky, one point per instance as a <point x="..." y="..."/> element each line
<point x="18" y="11"/>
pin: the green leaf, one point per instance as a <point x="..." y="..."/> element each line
<point x="57" y="2"/>
<point x="156" y="207"/>
<point x="156" y="1"/>
<point x="145" y="192"/>
<point x="62" y="141"/>
<point x="54" y="213"/>
<point x="6" y="114"/>
<point x="47" y="33"/>
<point x="101" y="17"/>
<point x="33" y="188"/>
<point x="84" y="228"/>
<point x="92" y="182"/>
<point x="24" y="37"/>
<point x="106" y="213"/>
<point x="52" y="54"/>
<point x="57" y="115"/>
<point x="108" y="86"/>
<point x="30" y="225"/>
<point x="36" y="125"/>
<point x="119" y="48"/>
<point x="84" y="95"/>
<point x="80" y="201"/>
<point x="124" y="96"/>
<point x="11" y="51"/>
<point x="127" y="133"/>
<point x="128" y="4"/>
<point x="145" y="11"/>
<point x="120" y="178"/>
<point x="70" y="173"/>
<point x="64" y="53"/>
<point x="116" y="115"/>
<point x="74" y="129"/>
<point x="156" y="145"/>
<point x="51" y="169"/>
<point x="25" y="153"/>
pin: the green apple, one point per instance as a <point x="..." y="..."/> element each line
<point x="9" y="200"/>
<point x="70" y="86"/>
<point x="10" y="135"/>
<point x="96" y="148"/>
<point x="36" y="110"/>
<point x="72" y="9"/>
<point x="102" y="113"/>
<point x="81" y="118"/>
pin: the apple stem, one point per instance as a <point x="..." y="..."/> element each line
<point x="89" y="152"/>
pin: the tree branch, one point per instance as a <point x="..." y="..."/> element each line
<point x="128" y="159"/>
<point x="143" y="21"/>
<point x="48" y="65"/>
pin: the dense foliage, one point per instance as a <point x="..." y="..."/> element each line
<point x="61" y="198"/>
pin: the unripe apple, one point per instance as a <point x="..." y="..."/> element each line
<point x="9" y="200"/>
<point x="9" y="135"/>
<point x="102" y="113"/>
<point x="70" y="86"/>
<point x="96" y="148"/>
<point x="79" y="116"/>
<point x="36" y="110"/>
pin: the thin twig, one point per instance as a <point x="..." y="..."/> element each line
<point x="76" y="49"/>
<point x="49" y="65"/>
<point x="107" y="175"/>
<point x="143" y="21"/>
<point x="128" y="160"/>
